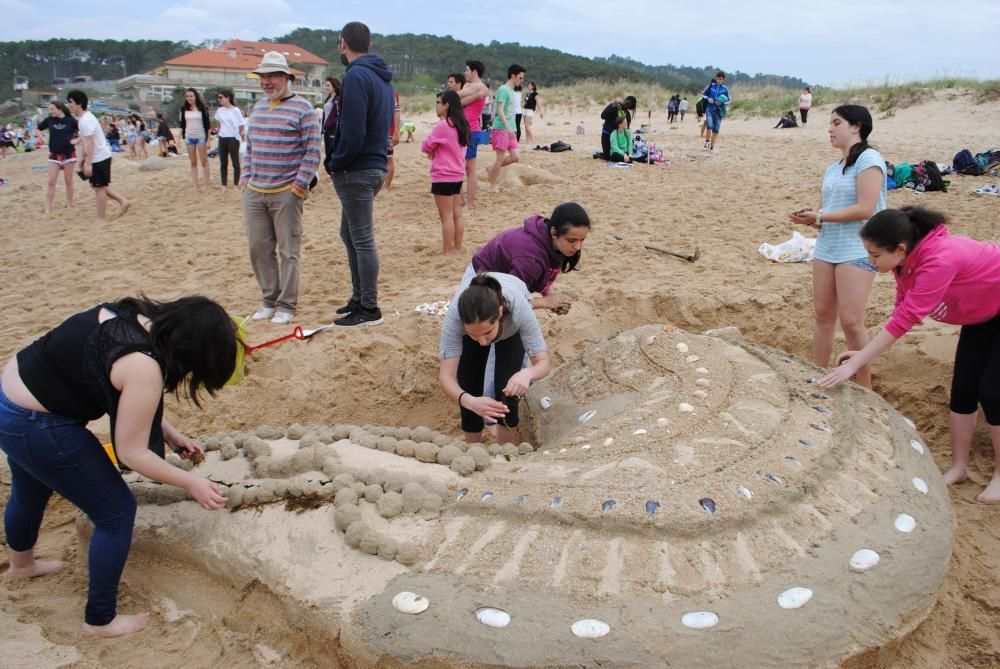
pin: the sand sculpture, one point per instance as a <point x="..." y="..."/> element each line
<point x="691" y="500"/>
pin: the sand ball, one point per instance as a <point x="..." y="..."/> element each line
<point x="372" y="492"/>
<point x="308" y="439"/>
<point x="460" y="444"/>
<point x="312" y="488"/>
<point x="343" y="481"/>
<point x="413" y="497"/>
<point x="422" y="433"/>
<point x="256" y="448"/>
<point x="265" y="492"/>
<point x="439" y="488"/>
<point x="426" y="452"/>
<point x="394" y="481"/>
<point x="463" y="464"/>
<point x="210" y="443"/>
<point x="346" y="516"/>
<point x="370" y="542"/>
<point x="493" y="449"/>
<point x="326" y="490"/>
<point x="387" y="444"/>
<point x="356" y="531"/>
<point x="228" y="452"/>
<point x="481" y="457"/>
<point x="269" y="433"/>
<point x="390" y="505"/>
<point x="406" y="448"/>
<point x="234" y="497"/>
<point x="295" y="431"/>
<point x="330" y="467"/>
<point x="345" y="496"/>
<point x="432" y="504"/>
<point x="301" y="460"/>
<point x="296" y="488"/>
<point x="508" y="450"/>
<point x="324" y="435"/>
<point x="359" y="487"/>
<point x="402" y="433"/>
<point x="369" y="441"/>
<point x="524" y="448"/>
<point x="441" y="440"/>
<point x="250" y="495"/>
<point x="447" y="454"/>
<point x="342" y="432"/>
<point x="387" y="548"/>
<point x="357" y="434"/>
<point x="280" y="488"/>
<point x="265" y="467"/>
<point x="408" y="554"/>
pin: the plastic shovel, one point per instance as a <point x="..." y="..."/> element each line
<point x="246" y="349"/>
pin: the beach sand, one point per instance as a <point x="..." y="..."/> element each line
<point x="177" y="241"/>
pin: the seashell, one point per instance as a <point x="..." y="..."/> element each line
<point x="920" y="485"/>
<point x="818" y="396"/>
<point x="821" y="428"/>
<point x="704" y="383"/>
<point x="787" y="360"/>
<point x="700" y="620"/>
<point x="461" y="493"/>
<point x="545" y="402"/>
<point x="794" y="598"/>
<point x="864" y="559"/>
<point x="793" y="460"/>
<point x="651" y="506"/>
<point x="562" y="450"/>
<point x="905" y="523"/>
<point x="775" y="478"/>
<point x="684" y="407"/>
<point x="590" y="629"/>
<point x="640" y="431"/>
<point x="585" y="447"/>
<point x="607" y="505"/>
<point x="909" y="423"/>
<point x="493" y="617"/>
<point x="699" y="394"/>
<point x="701" y="370"/>
<point x="822" y="409"/>
<point x="520" y="499"/>
<point x="546" y="453"/>
<point x="609" y="441"/>
<point x="650" y="339"/>
<point x="917" y="446"/>
<point x="744" y="492"/>
<point x="662" y="422"/>
<point x="692" y="358"/>
<point x="408" y="602"/>
<point x="555" y="502"/>
<point x="584" y="417"/>
<point x="708" y="504"/>
<point x="806" y="443"/>
<point x="486" y="496"/>
<point x="682" y="347"/>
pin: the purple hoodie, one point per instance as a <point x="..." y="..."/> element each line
<point x="527" y="253"/>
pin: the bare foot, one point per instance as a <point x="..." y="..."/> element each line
<point x="955" y="475"/>
<point x="125" y="208"/>
<point x="37" y="568"/>
<point x="122" y="625"/>
<point x="991" y="495"/>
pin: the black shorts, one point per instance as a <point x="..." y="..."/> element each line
<point x="446" y="187"/>
<point x="100" y="174"/>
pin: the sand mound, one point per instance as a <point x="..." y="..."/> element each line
<point x="524" y="175"/>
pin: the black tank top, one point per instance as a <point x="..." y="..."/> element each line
<point x="529" y="101"/>
<point x="68" y="369"/>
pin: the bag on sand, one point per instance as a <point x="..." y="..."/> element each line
<point x="559" y="146"/>
<point x="927" y="174"/>
<point x="965" y="163"/>
<point x="796" y="249"/>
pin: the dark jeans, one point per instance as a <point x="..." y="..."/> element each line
<point x="804" y="113"/>
<point x="517" y="124"/>
<point x="52" y="453"/>
<point x="509" y="355"/>
<point x="356" y="191"/>
<point x="977" y="371"/>
<point x="229" y="147"/>
<point x="606" y="144"/>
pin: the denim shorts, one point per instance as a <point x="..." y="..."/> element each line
<point x="713" y="120"/>
<point x="860" y="263"/>
<point x="197" y="141"/>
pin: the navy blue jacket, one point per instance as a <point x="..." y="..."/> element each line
<point x="366" y="109"/>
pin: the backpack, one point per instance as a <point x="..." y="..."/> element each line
<point x="987" y="160"/>
<point x="927" y="174"/>
<point x="559" y="146"/>
<point x="965" y="163"/>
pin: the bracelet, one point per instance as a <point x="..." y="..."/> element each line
<point x="464" y="393"/>
<point x="819" y="219"/>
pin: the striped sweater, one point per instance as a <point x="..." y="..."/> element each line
<point x="282" y="148"/>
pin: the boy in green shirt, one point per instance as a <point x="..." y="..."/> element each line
<point x="503" y="136"/>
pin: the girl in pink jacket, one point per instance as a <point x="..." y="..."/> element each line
<point x="445" y="146"/>
<point x="953" y="280"/>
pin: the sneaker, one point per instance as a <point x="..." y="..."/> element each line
<point x="706" y="143"/>
<point x="262" y="313"/>
<point x="351" y="306"/>
<point x="282" y="317"/>
<point x="360" y="318"/>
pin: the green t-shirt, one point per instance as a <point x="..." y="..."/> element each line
<point x="505" y="106"/>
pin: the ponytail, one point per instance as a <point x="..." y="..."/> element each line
<point x="455" y="116"/>
<point x="481" y="301"/>
<point x="909" y="225"/>
<point x="859" y="116"/>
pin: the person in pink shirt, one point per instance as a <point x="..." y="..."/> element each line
<point x="445" y="146"/>
<point x="953" y="280"/>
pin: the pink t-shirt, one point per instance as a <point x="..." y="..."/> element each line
<point x="447" y="155"/>
<point x="474" y="113"/>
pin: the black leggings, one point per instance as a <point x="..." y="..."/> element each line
<point x="977" y="371"/>
<point x="804" y="113"/>
<point x="229" y="147"/>
<point x="472" y="369"/>
<point x="517" y="124"/>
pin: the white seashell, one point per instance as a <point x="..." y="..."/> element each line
<point x="609" y="441"/>
<point x="920" y="485"/>
<point x="562" y="450"/>
<point x="909" y="423"/>
<point x="640" y="431"/>
<point x="590" y="629"/>
<point x="662" y="422"/>
<point x="684" y="407"/>
<point x="917" y="446"/>
<point x="650" y="339"/>
<point x="745" y="492"/>
<point x="692" y="358"/>
<point x="701" y="370"/>
<point x="905" y="523"/>
<point x="493" y="617"/>
<point x="584" y="417"/>
<point x="546" y="453"/>
<point x="700" y="620"/>
<point x="682" y="348"/>
<point x="864" y="559"/>
<point x="545" y="402"/>
<point x="409" y="602"/>
<point x="704" y="383"/>
<point x="795" y="597"/>
<point x="699" y="394"/>
<point x="585" y="447"/>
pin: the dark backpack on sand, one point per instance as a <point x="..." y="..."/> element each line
<point x="559" y="146"/>
<point x="927" y="174"/>
<point x="965" y="163"/>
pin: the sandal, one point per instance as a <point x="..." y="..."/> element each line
<point x="988" y="189"/>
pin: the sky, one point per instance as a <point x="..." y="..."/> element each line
<point x="824" y="43"/>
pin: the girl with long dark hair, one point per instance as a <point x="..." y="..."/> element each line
<point x="194" y="131"/>
<point x="231" y="131"/>
<point x="331" y="112"/>
<point x="445" y="146"/>
<point x="62" y="154"/>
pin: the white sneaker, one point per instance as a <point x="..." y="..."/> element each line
<point x="283" y="317"/>
<point x="262" y="313"/>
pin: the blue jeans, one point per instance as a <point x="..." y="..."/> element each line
<point x="356" y="191"/>
<point x="49" y="453"/>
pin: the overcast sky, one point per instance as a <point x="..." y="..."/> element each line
<point x="821" y="42"/>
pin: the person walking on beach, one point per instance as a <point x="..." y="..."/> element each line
<point x="445" y="146"/>
<point x="474" y="95"/>
<point x="532" y="106"/>
<point x="954" y="280"/>
<point x="682" y="108"/>
<point x="716" y="97"/>
<point x="503" y="136"/>
<point x="62" y="129"/>
<point x="231" y="131"/>
<point x="194" y="131"/>
<point x="95" y="164"/>
<point x="358" y="167"/>
<point x="279" y="163"/>
<point x="853" y="190"/>
<point x="117" y="359"/>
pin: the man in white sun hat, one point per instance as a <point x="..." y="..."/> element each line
<point x="280" y="160"/>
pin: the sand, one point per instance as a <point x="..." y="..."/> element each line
<point x="176" y="240"/>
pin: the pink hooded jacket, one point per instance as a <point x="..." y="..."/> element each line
<point x="949" y="278"/>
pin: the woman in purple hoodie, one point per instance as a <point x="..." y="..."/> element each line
<point x="953" y="280"/>
<point x="537" y="253"/>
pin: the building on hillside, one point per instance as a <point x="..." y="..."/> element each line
<point x="231" y="66"/>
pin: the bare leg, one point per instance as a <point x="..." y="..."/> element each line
<point x="68" y="178"/>
<point x="50" y="192"/>
<point x="473" y="437"/>
<point x="991" y="495"/>
<point x="203" y="159"/>
<point x="825" y="306"/>
<point x="493" y="171"/>
<point x="962" y="425"/>
<point x="102" y="202"/>
<point x="472" y="182"/>
<point x="390" y="172"/>
<point x="122" y="625"/>
<point x="24" y="565"/>
<point x="193" y="159"/>
<point x="505" y="435"/>
<point x="446" y="214"/>
<point x="456" y="207"/>
<point x="853" y="285"/>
